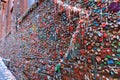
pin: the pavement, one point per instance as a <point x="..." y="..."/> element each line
<point x="5" y="74"/>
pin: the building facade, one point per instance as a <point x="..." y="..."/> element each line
<point x="10" y="11"/>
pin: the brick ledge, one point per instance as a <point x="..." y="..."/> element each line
<point x="26" y="13"/>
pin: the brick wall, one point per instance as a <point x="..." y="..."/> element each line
<point x="10" y="11"/>
<point x="41" y="41"/>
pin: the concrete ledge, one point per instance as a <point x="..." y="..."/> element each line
<point x="7" y="75"/>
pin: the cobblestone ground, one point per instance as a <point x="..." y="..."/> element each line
<point x="5" y="74"/>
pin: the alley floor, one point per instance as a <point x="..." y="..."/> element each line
<point x="5" y="74"/>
